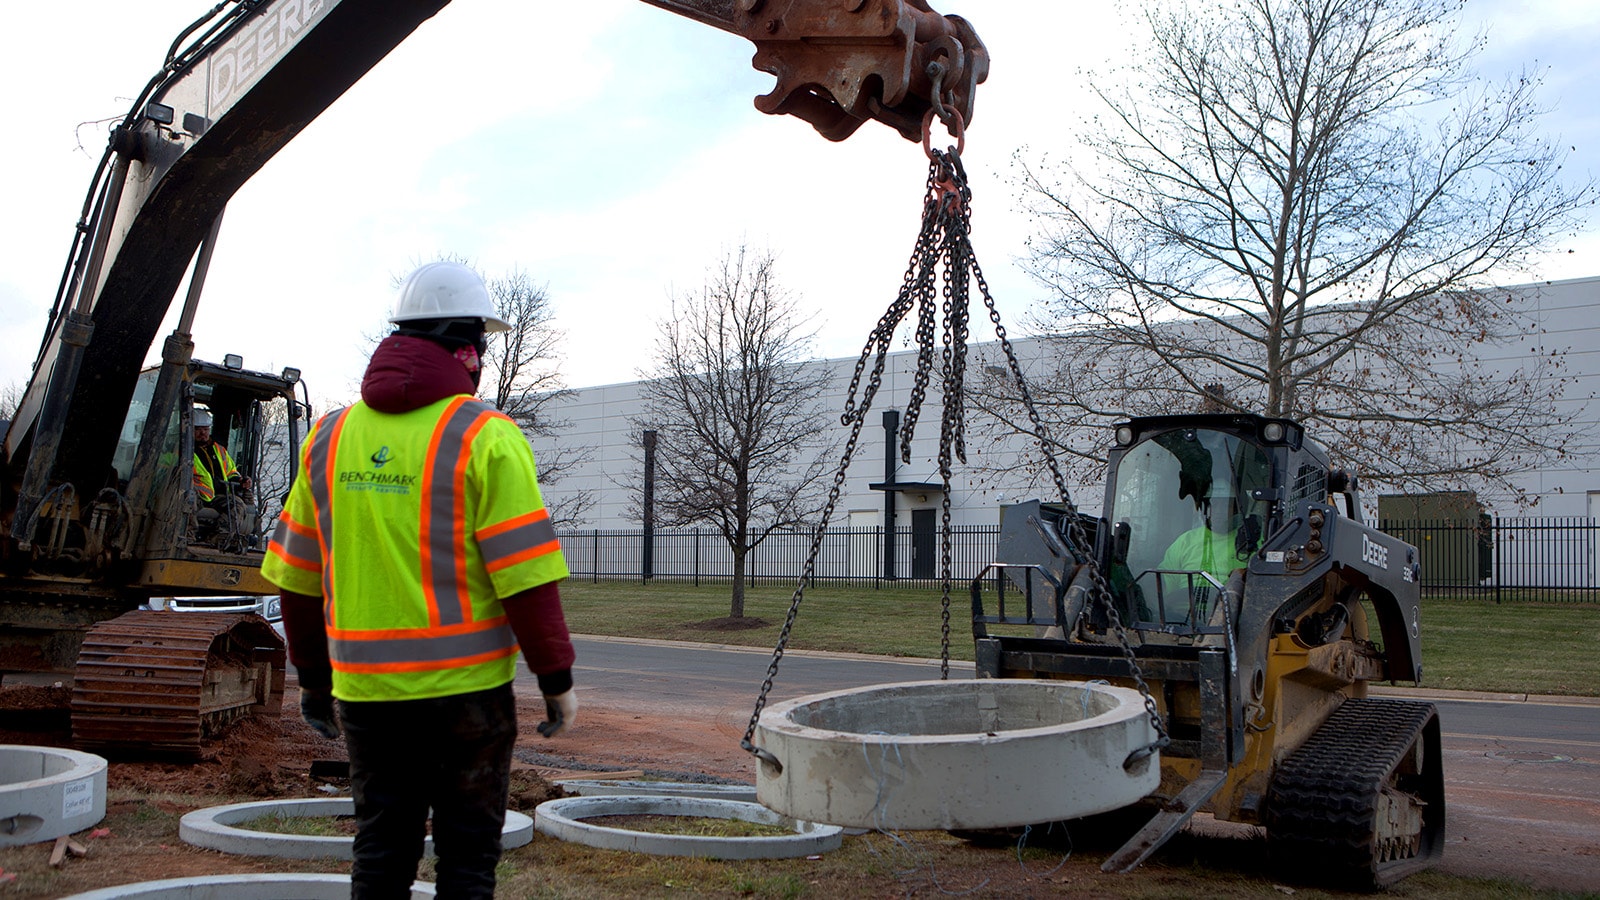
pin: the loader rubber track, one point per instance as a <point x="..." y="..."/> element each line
<point x="162" y="683"/>
<point x="1328" y="800"/>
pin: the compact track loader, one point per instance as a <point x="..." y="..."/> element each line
<point x="1231" y="575"/>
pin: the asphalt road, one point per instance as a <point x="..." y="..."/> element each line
<point x="711" y="678"/>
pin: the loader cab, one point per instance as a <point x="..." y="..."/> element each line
<point x="1190" y="499"/>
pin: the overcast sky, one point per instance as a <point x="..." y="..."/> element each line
<point x="608" y="149"/>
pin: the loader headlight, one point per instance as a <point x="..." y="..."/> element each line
<point x="1272" y="431"/>
<point x="1124" y="435"/>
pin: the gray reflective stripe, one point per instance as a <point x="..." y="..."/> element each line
<point x="425" y="649"/>
<point x="296" y="545"/>
<point x="321" y="480"/>
<point x="523" y="537"/>
<point x="446" y="529"/>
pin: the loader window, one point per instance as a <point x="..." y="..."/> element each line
<point x="1186" y="498"/>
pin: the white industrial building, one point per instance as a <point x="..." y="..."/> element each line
<point x="603" y="421"/>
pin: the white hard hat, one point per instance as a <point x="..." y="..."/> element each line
<point x="202" y="419"/>
<point x="446" y="290"/>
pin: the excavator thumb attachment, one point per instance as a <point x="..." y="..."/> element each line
<point x="150" y="682"/>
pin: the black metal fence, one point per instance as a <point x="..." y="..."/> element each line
<point x="1534" y="558"/>
<point x="1548" y="558"/>
<point x="846" y="554"/>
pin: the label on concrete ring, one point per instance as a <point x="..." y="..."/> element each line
<point x="77" y="798"/>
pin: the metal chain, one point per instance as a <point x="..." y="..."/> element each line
<point x="857" y="404"/>
<point x="943" y="241"/>
<point x="1076" y="536"/>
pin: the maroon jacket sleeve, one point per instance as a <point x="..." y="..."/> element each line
<point x="541" y="628"/>
<point x="308" y="640"/>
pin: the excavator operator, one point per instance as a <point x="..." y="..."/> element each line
<point x="219" y="487"/>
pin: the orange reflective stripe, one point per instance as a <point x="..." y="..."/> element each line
<point x="295" y="544"/>
<point x="443" y="526"/>
<point x="431" y="666"/>
<point x="418" y="649"/>
<point x="523" y="556"/>
<point x="320" y="474"/>
<point x="517" y="540"/>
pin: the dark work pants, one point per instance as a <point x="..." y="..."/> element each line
<point x="450" y="754"/>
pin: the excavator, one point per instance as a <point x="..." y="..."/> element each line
<point x="1231" y="578"/>
<point x="98" y="510"/>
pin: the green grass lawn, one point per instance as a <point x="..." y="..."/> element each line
<point x="1467" y="643"/>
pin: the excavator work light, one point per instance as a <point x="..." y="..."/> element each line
<point x="291" y="375"/>
<point x="233" y="361"/>
<point x="1124" y="435"/>
<point x="1272" y="431"/>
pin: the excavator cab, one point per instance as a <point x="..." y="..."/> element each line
<point x="197" y="517"/>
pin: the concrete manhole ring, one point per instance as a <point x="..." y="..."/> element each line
<point x="563" y="819"/>
<point x="745" y="793"/>
<point x="949" y="755"/>
<point x="281" y="886"/>
<point x="47" y="792"/>
<point x="213" y="828"/>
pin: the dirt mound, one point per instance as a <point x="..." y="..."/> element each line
<point x="729" y="623"/>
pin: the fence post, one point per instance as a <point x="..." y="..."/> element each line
<point x="1498" y="558"/>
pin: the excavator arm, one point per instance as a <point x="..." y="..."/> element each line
<point x="253" y="73"/>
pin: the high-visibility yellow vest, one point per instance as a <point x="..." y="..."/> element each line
<point x="204" y="487"/>
<point x="412" y="527"/>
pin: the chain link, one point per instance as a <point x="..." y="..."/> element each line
<point x="944" y="242"/>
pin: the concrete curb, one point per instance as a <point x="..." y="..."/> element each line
<point x="212" y="828"/>
<point x="563" y="819"/>
<point x="241" y="887"/>
<point x="47" y="792"/>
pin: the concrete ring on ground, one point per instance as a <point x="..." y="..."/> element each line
<point x="940" y="755"/>
<point x="47" y="792"/>
<point x="597" y="787"/>
<point x="212" y="828"/>
<point x="564" y="819"/>
<point x="282" y="886"/>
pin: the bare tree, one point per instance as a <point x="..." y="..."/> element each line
<point x="10" y="398"/>
<point x="522" y="379"/>
<point x="736" y="410"/>
<point x="1303" y="202"/>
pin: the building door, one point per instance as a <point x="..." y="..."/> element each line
<point x="924" y="546"/>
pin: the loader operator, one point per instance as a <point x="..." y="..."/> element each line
<point x="1221" y="543"/>
<point x="415" y="555"/>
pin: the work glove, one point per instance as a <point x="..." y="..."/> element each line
<point x="316" y="707"/>
<point x="560" y="711"/>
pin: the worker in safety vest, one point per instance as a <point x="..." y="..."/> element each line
<point x="1222" y="543"/>
<point x="415" y="555"/>
<point x="215" y="475"/>
<point x="224" y="495"/>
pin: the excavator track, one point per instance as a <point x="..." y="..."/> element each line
<point x="1361" y="804"/>
<point x="162" y="683"/>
